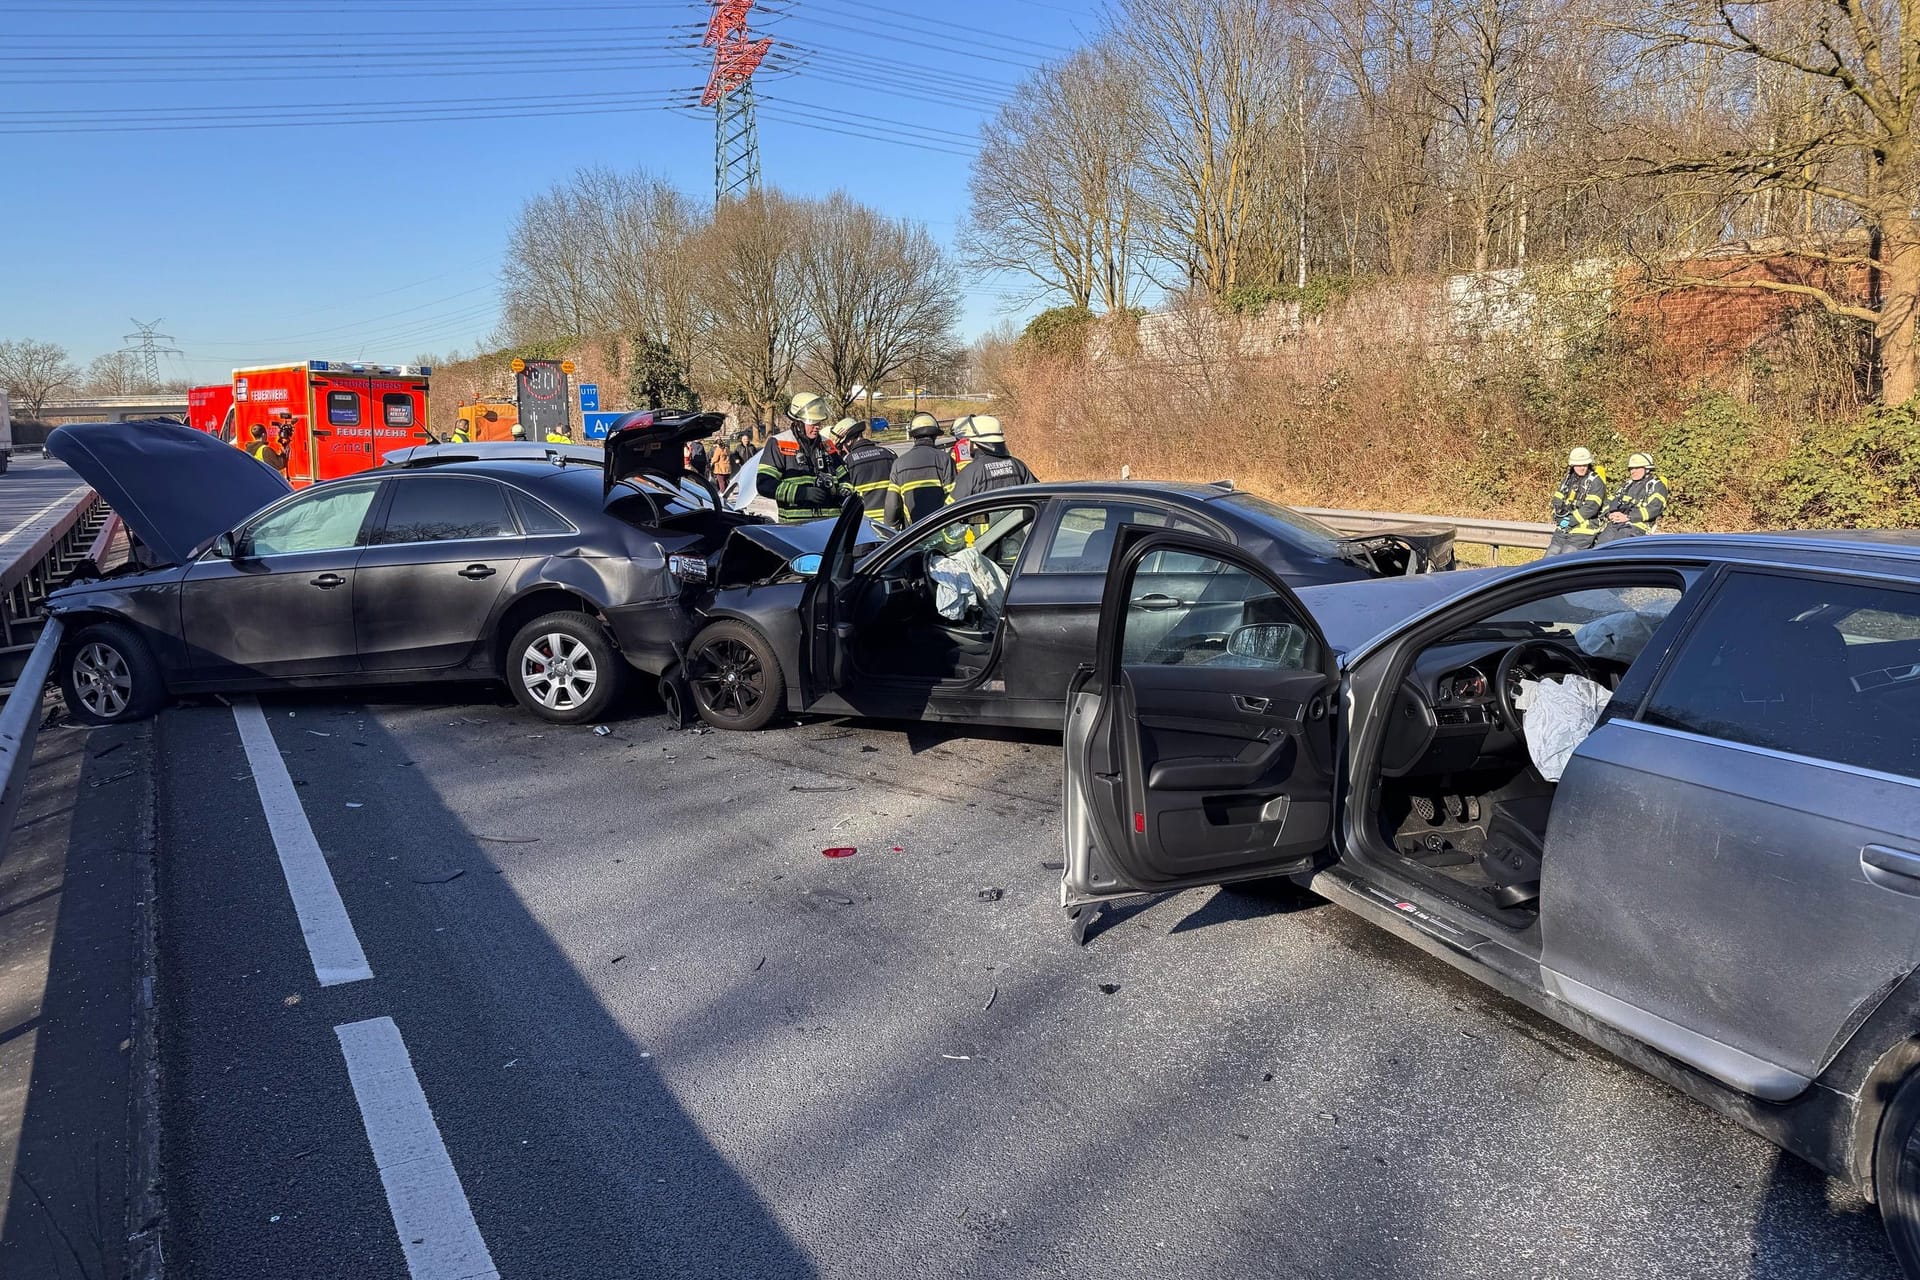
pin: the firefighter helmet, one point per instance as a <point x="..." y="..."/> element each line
<point x="924" y="426"/>
<point x="1581" y="457"/>
<point x="986" y="430"/>
<point x="846" y="431"/>
<point x="1640" y="460"/>
<point x="963" y="427"/>
<point x="809" y="409"/>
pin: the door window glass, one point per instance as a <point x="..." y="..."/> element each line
<point x="323" y="519"/>
<point x="1614" y="622"/>
<point x="398" y="408"/>
<point x="969" y="563"/>
<point x="445" y="509"/>
<point x="1813" y="667"/>
<point x="1188" y="608"/>
<point x="1083" y="539"/>
<point x="536" y="517"/>
<point x="343" y="409"/>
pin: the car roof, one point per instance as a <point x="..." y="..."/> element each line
<point x="1882" y="551"/>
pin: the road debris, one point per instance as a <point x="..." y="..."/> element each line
<point x="441" y="878"/>
<point x="509" y="839"/>
<point x="291" y="1001"/>
<point x="107" y="751"/>
<point x="118" y="777"/>
<point x="1109" y="988"/>
<point x="868" y="751"/>
<point x="839" y="851"/>
<point x="1053" y="866"/>
<point x="316" y="733"/>
<point x="355" y="804"/>
<point x="957" y="1057"/>
<point x="831" y="896"/>
<point x="601" y="731"/>
<point x="990" y="999"/>
<point x="757" y="963"/>
<point x="617" y="959"/>
<point x="798" y="787"/>
<point x="990" y="894"/>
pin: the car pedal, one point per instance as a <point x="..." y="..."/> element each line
<point x="1423" y="809"/>
<point x="1456" y="808"/>
<point x="1473" y="808"/>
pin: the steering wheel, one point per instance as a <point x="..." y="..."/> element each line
<point x="1521" y="662"/>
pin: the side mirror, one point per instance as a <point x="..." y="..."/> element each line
<point x="224" y="547"/>
<point x="806" y="566"/>
<point x="1279" y="644"/>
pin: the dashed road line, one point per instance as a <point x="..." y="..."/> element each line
<point x="438" y="1235"/>
<point x="331" y="941"/>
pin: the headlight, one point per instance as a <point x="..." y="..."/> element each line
<point x="688" y="569"/>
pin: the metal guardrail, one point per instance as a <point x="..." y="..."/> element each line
<point x="1486" y="533"/>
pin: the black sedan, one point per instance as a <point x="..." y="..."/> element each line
<point x="980" y="612"/>
<point x="558" y="571"/>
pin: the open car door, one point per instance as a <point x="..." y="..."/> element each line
<point x="1200" y="741"/>
<point x="827" y="639"/>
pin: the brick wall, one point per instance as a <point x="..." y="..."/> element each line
<point x="1711" y="326"/>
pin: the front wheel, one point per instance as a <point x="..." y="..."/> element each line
<point x="735" y="677"/>
<point x="110" y="677"/>
<point x="1896" y="1173"/>
<point x="563" y="668"/>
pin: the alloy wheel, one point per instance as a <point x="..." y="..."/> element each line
<point x="103" y="680"/>
<point x="559" y="671"/>
<point x="727" y="679"/>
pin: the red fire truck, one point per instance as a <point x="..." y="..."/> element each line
<point x="208" y="407"/>
<point x="332" y="417"/>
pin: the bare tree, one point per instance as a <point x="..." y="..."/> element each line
<point x="1054" y="184"/>
<point x="1846" y="152"/>
<point x="115" y="373"/>
<point x="34" y="373"/>
<point x="880" y="295"/>
<point x="752" y="294"/>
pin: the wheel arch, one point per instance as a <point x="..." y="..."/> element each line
<point x="780" y="650"/>
<point x="537" y="602"/>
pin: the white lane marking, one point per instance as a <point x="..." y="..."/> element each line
<point x="331" y="941"/>
<point x="430" y="1211"/>
<point x="23" y="527"/>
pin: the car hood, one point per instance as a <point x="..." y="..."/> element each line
<point x="790" y="540"/>
<point x="654" y="443"/>
<point x="176" y="488"/>
<point x="1352" y="613"/>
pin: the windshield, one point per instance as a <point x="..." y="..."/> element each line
<point x="1301" y="529"/>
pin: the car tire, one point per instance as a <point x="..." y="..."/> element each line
<point x="564" y="668"/>
<point x="735" y="677"/>
<point x="1896" y="1173"/>
<point x="109" y="676"/>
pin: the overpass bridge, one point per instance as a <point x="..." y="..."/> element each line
<point x="115" y="408"/>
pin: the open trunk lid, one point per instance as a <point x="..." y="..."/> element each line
<point x="654" y="444"/>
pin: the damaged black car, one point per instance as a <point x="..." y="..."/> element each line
<point x="562" y="572"/>
<point x="981" y="612"/>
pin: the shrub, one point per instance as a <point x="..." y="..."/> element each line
<point x="1706" y="457"/>
<point x="1058" y="332"/>
<point x="1863" y="472"/>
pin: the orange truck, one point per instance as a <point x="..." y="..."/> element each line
<point x="331" y="417"/>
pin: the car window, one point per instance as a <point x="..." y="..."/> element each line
<point x="536" y="517"/>
<point x="445" y="509"/>
<point x="322" y="519"/>
<point x="1298" y="527"/>
<point x="1084" y="536"/>
<point x="1788" y="663"/>
<point x="1614" y="622"/>
<point x="997" y="535"/>
<point x="1188" y="608"/>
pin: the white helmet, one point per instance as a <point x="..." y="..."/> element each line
<point x="963" y="427"/>
<point x="844" y="430"/>
<point x="1580" y="457"/>
<point x="810" y="408"/>
<point x="986" y="430"/>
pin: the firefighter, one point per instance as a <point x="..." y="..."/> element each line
<point x="518" y="431"/>
<point x="462" y="433"/>
<point x="921" y="481"/>
<point x="865" y="467"/>
<point x="992" y="466"/>
<point x="562" y="434"/>
<point x="263" y="450"/>
<point x="1637" y="508"/>
<point x="795" y="468"/>
<point x="1577" y="504"/>
<point x="962" y="442"/>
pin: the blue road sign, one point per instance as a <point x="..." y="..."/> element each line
<point x="598" y="424"/>
<point x="589" y="397"/>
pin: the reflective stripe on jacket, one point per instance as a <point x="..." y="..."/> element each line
<point x="1581" y="498"/>
<point x="800" y="477"/>
<point x="868" y="469"/>
<point x="919" y="485"/>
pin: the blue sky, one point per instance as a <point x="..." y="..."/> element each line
<point x="379" y="237"/>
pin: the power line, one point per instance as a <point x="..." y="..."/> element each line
<point x="144" y="346"/>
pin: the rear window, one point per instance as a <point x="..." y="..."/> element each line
<point x="343" y="408"/>
<point x="1296" y="527"/>
<point x="398" y="407"/>
<point x="445" y="509"/>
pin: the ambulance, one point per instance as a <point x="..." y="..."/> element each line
<point x="332" y="418"/>
<point x="210" y="407"/>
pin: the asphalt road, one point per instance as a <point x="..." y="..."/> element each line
<point x="26" y="490"/>
<point x="661" y="1034"/>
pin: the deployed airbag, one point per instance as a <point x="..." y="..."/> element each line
<point x="1560" y="712"/>
<point x="964" y="582"/>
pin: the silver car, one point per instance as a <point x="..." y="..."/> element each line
<point x="1721" y="881"/>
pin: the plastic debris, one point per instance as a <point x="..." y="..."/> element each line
<point x="797" y="787"/>
<point x="355" y="804"/>
<point x="442" y="877"/>
<point x="316" y="733"/>
<point x="509" y="839"/>
<point x="867" y="751"/>
<point x="757" y="963"/>
<point x="990" y="894"/>
<point x="896" y="849"/>
<point x="118" y="777"/>
<point x="1109" y="988"/>
<point x="990" y="999"/>
<point x="291" y="1001"/>
<point x="601" y="731"/>
<point x="957" y="1057"/>
<point x="839" y="851"/>
<point x="616" y="959"/>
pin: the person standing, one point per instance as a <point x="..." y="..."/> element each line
<point x="263" y="451"/>
<point x="921" y="479"/>
<point x="721" y="463"/>
<point x="560" y="435"/>
<point x="992" y="466"/>
<point x="795" y="469"/>
<point x="866" y="466"/>
<point x="697" y="457"/>
<point x="1637" y="508"/>
<point x="1577" y="505"/>
<point x="461" y="433"/>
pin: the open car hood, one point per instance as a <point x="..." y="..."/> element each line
<point x="176" y="488"/>
<point x="790" y="540"/>
<point x="654" y="446"/>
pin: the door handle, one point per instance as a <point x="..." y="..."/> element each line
<point x="328" y="581"/>
<point x="1894" y="869"/>
<point x="1252" y="705"/>
<point x="1157" y="600"/>
<point x="477" y="571"/>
